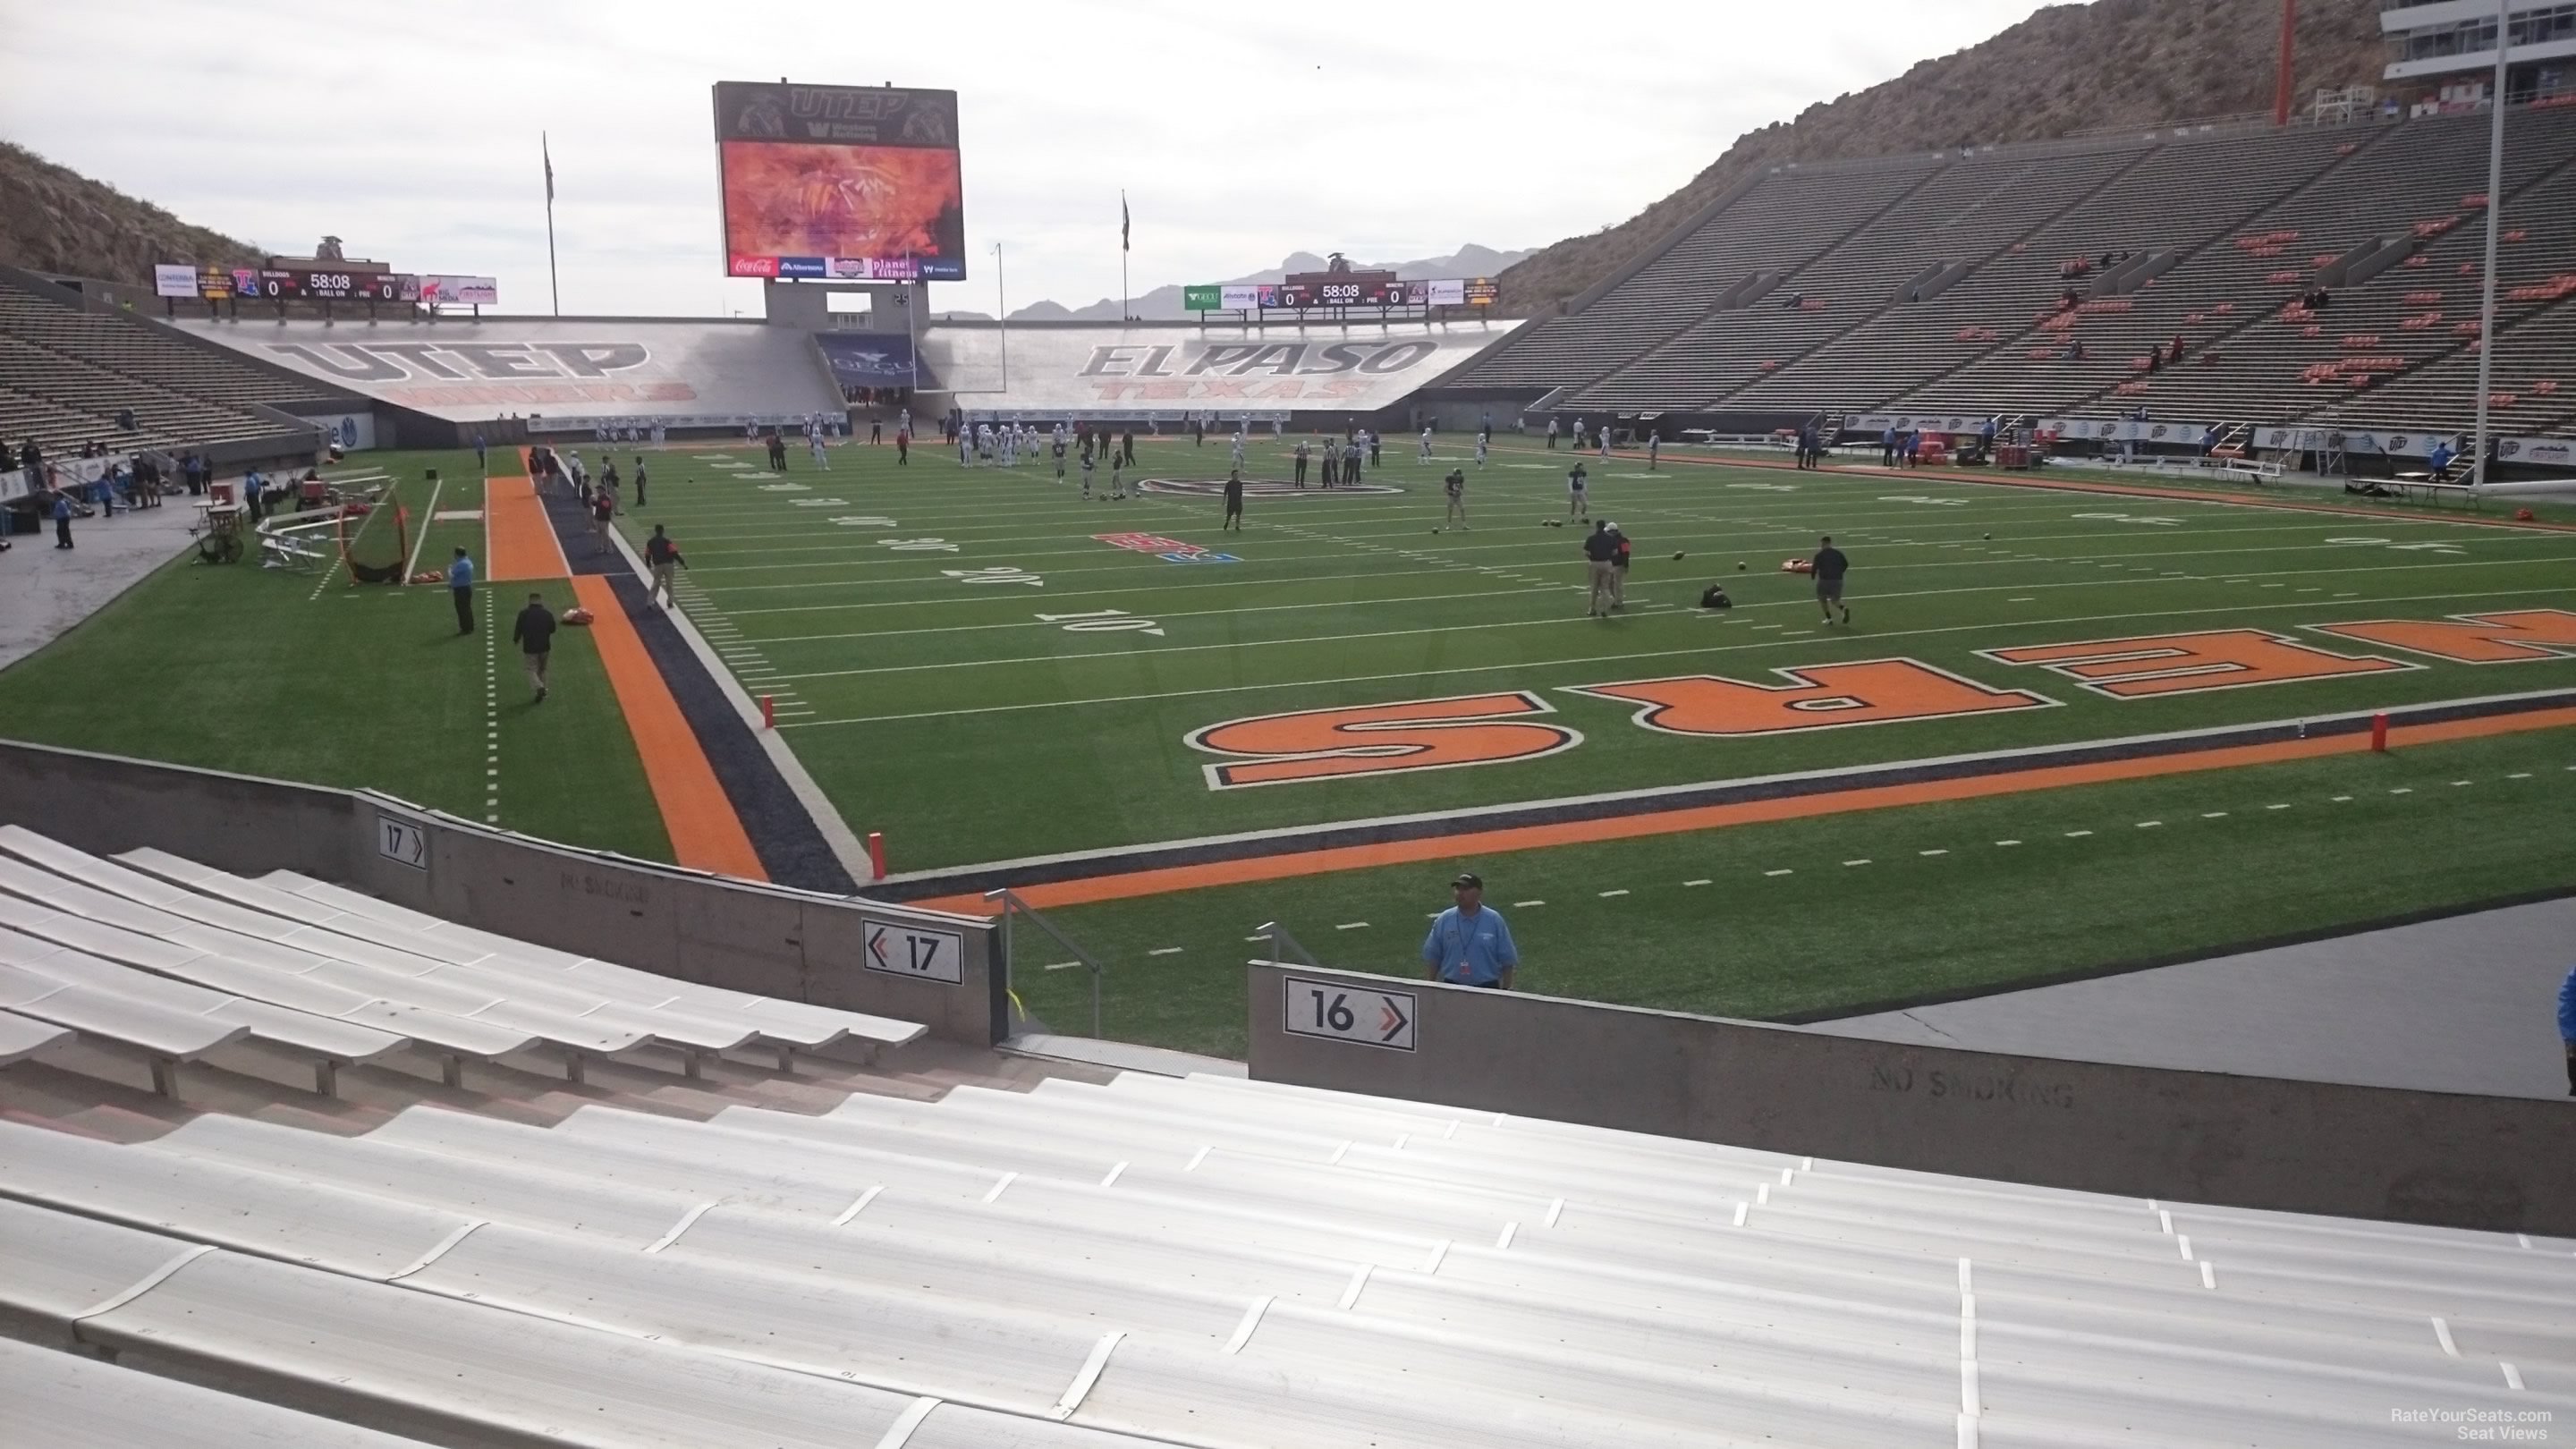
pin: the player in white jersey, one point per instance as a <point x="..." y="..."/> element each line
<point x="814" y="445"/>
<point x="1578" y="493"/>
<point x="1117" y="489"/>
<point x="1426" y="443"/>
<point x="1010" y="445"/>
<point x="1605" y="439"/>
<point x="1481" y="440"/>
<point x="1238" y="450"/>
<point x="965" y="448"/>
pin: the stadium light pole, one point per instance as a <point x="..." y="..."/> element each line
<point x="2495" y="204"/>
<point x="1002" y="316"/>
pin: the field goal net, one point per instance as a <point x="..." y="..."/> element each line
<point x="374" y="541"/>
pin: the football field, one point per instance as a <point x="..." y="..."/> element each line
<point x="988" y="668"/>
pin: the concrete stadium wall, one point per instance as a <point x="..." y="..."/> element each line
<point x="2502" y="1164"/>
<point x="682" y="923"/>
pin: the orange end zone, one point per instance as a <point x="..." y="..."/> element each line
<point x="1709" y="817"/>
<point x="699" y="817"/>
<point x="518" y="537"/>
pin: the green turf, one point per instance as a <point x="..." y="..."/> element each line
<point x="292" y="675"/>
<point x="1786" y="925"/>
<point x="951" y="716"/>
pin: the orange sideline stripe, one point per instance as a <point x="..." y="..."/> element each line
<point x="518" y="537"/>
<point x="1708" y="817"/>
<point x="699" y="817"/>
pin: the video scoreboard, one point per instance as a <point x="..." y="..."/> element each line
<point x="1340" y="289"/>
<point x="324" y="284"/>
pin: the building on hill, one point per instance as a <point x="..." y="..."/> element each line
<point x="2448" y="48"/>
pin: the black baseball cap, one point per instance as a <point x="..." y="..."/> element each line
<point x="1466" y="879"/>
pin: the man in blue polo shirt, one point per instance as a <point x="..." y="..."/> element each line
<point x="2566" y="1025"/>
<point x="1469" y="945"/>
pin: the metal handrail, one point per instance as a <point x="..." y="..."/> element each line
<point x="1279" y="938"/>
<point x="1012" y="903"/>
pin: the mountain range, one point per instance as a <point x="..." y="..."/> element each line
<point x="1163" y="304"/>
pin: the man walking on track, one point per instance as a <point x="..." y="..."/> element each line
<point x="460" y="586"/>
<point x="662" y="556"/>
<point x="534" y="632"/>
<point x="603" y="507"/>
<point x="1469" y="945"/>
<point x="1601" y="550"/>
<point x="1233" y="502"/>
<point x="1830" y="566"/>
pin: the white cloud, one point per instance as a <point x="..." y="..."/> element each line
<point x="1240" y="132"/>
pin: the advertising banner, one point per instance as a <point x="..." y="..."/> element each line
<point x="1449" y="293"/>
<point x="174" y="281"/>
<point x="437" y="288"/>
<point x="1201" y="299"/>
<point x="1243" y="297"/>
<point x="815" y="177"/>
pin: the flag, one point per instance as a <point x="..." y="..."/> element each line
<point x="1123" y="223"/>
<point x="542" y="150"/>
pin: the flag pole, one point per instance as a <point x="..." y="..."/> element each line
<point x="2495" y="204"/>
<point x="554" y="283"/>
<point x="1124" y="305"/>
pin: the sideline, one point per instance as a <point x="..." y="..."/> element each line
<point x="705" y="832"/>
<point x="517" y="536"/>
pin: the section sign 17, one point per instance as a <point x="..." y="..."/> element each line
<point x="1342" y="1012"/>
<point x="909" y="951"/>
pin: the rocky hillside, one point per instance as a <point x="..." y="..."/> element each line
<point x="55" y="220"/>
<point x="2066" y="69"/>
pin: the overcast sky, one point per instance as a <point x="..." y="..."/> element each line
<point x="1240" y="133"/>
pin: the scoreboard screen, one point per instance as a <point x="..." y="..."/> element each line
<point x="324" y="284"/>
<point x="1344" y="292"/>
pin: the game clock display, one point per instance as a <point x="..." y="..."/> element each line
<point x="324" y="284"/>
<point x="1342" y="294"/>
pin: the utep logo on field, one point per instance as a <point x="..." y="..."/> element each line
<point x="1379" y="739"/>
<point x="1169" y="550"/>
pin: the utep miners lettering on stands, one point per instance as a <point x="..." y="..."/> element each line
<point x="2159" y="664"/>
<point x="1824" y="696"/>
<point x="1376" y="739"/>
<point x="1209" y="371"/>
<point x="2514" y="637"/>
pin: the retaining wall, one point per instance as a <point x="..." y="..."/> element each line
<point x="2498" y="1163"/>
